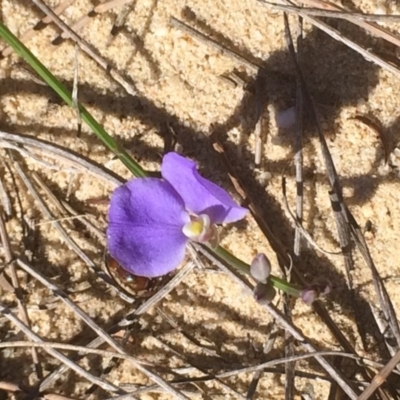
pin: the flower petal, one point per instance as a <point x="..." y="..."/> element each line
<point x="144" y="234"/>
<point x="200" y="195"/>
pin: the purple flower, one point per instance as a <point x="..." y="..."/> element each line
<point x="151" y="220"/>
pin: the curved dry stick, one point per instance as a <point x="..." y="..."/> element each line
<point x="228" y="374"/>
<point x="67" y="155"/>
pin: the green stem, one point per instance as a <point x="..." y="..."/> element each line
<point x="125" y="158"/>
<point x="278" y="283"/>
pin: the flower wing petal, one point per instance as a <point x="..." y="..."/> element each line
<point x="144" y="235"/>
<point x="200" y="195"/>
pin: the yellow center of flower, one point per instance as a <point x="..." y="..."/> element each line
<point x="200" y="229"/>
<point x="196" y="227"/>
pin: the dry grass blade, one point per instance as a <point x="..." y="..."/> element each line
<point x="129" y="88"/>
<point x="70" y="347"/>
<point x="5" y="200"/>
<point x="289" y="351"/>
<point x="214" y="44"/>
<point x="300" y="227"/>
<point x="55" y="375"/>
<point x="128" y="320"/>
<point x="100" y="235"/>
<point x="17" y="289"/>
<point x="99" y="9"/>
<point x="12" y="387"/>
<point x="368" y="26"/>
<point x="27" y="154"/>
<point x="53" y="199"/>
<point x="300" y="357"/>
<point x="59" y="153"/>
<point x="338" y="207"/>
<point x="68" y="212"/>
<point x="337" y="204"/>
<point x="285" y="324"/>
<point x="380" y="289"/>
<point x="386" y="334"/>
<point x="40" y="25"/>
<point x="147" y="305"/>
<point x="298" y="160"/>
<point x="380" y="378"/>
<point x="298" y="157"/>
<point x="332" y="10"/>
<point x="65" y="298"/>
<point x="100" y="332"/>
<point x="228" y="374"/>
<point x="251" y="391"/>
<point x="279" y="248"/>
<point x="178" y="62"/>
<point x="335" y="34"/>
<point x="344" y="220"/>
<point x="320" y="12"/>
<point x="229" y="389"/>
<point x="97" y="381"/>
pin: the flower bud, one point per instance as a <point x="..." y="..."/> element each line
<point x="260" y="268"/>
<point x="264" y="293"/>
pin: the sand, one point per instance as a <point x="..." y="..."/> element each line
<point x="180" y="87"/>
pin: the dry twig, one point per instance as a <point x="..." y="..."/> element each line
<point x="129" y="88"/>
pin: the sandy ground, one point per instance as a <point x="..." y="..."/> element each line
<point x="180" y="87"/>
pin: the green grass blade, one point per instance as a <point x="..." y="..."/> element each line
<point x="64" y="93"/>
